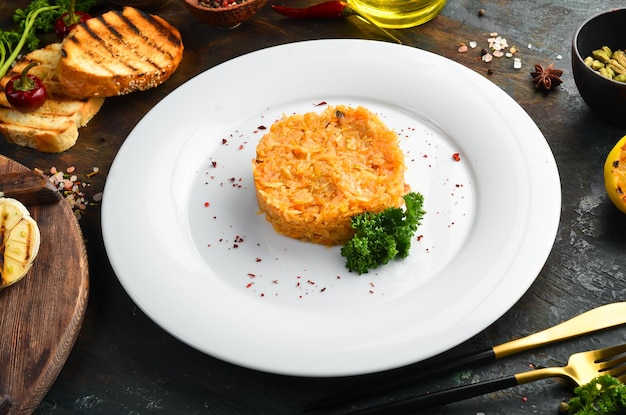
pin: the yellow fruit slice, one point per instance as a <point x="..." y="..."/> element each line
<point x="20" y="239"/>
<point x="615" y="174"/>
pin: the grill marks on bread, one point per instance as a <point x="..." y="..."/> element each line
<point x="53" y="127"/>
<point x="118" y="53"/>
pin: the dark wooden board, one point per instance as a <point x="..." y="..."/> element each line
<point x="40" y="315"/>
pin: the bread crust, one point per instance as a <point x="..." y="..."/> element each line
<point x="52" y="128"/>
<point x="118" y="53"/>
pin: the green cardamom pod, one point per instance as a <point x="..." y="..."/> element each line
<point x="610" y="71"/>
<point x="596" y="65"/>
<point x="605" y="72"/>
<point x="607" y="50"/>
<point x="620" y="56"/>
<point x="588" y="61"/>
<point x="601" y="55"/>
<point x="616" y="67"/>
<point x="620" y="78"/>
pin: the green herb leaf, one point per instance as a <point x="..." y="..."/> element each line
<point x="381" y="237"/>
<point x="605" y="395"/>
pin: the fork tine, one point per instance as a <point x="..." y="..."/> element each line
<point x="609" y="352"/>
<point x="616" y="368"/>
<point x="607" y="365"/>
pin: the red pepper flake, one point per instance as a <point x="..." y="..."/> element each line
<point x="251" y="275"/>
<point x="456" y="157"/>
<point x="262" y="127"/>
<point x="323" y="289"/>
<point x="420" y="237"/>
<point x="372" y="284"/>
<point x="240" y="146"/>
<point x="274" y="281"/>
<point x="371" y="291"/>
<point x="524" y="398"/>
<point x="258" y="260"/>
<point x="248" y="285"/>
<point x="311" y="282"/>
<point x="224" y="141"/>
<point x="206" y="204"/>
<point x="262" y="294"/>
<point x="319" y="104"/>
<point x="214" y="164"/>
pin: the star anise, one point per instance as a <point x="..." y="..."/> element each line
<point x="546" y="78"/>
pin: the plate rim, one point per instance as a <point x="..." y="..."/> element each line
<point x="485" y="316"/>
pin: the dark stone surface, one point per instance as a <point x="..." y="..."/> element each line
<point x="123" y="363"/>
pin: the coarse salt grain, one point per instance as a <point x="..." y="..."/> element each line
<point x="70" y="187"/>
<point x="473" y="44"/>
<point x="517" y="63"/>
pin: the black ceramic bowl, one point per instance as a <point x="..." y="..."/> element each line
<point x="605" y="97"/>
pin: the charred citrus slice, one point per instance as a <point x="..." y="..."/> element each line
<point x="615" y="174"/>
<point x="19" y="243"/>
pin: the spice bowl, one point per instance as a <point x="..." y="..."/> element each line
<point x="229" y="14"/>
<point x="605" y="96"/>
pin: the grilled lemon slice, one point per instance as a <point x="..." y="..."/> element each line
<point x="19" y="242"/>
<point x="615" y="174"/>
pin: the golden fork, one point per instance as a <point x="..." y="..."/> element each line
<point x="581" y="368"/>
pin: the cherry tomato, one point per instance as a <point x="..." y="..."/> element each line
<point x="26" y="92"/>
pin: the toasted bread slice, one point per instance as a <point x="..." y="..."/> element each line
<point x="52" y="128"/>
<point x="117" y="53"/>
<point x="48" y="58"/>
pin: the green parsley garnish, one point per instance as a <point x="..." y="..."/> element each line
<point x="381" y="237"/>
<point x="39" y="15"/>
<point x="605" y="395"/>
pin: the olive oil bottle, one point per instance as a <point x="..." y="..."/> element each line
<point x="398" y="14"/>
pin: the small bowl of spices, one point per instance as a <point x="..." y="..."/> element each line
<point x="225" y="14"/>
<point x="599" y="64"/>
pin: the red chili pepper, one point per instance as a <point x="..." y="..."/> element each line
<point x="326" y="10"/>
<point x="67" y="21"/>
<point x="25" y="92"/>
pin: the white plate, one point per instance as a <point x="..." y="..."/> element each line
<point x="220" y="279"/>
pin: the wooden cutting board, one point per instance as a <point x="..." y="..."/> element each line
<point x="40" y="315"/>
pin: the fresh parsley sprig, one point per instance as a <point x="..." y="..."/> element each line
<point x="382" y="236"/>
<point x="605" y="395"/>
<point x="9" y="48"/>
<point x="38" y="16"/>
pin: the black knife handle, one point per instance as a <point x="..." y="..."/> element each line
<point x="403" y="377"/>
<point x="439" y="398"/>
